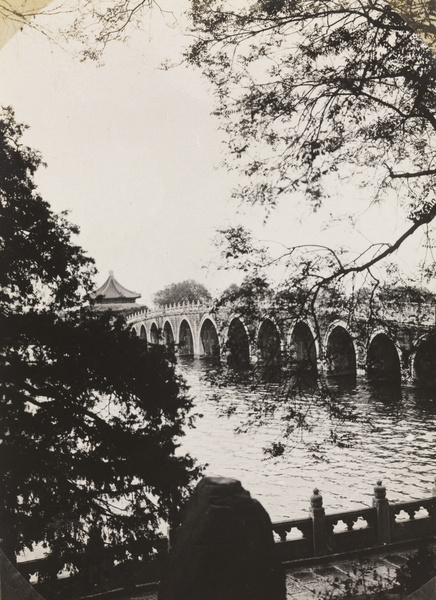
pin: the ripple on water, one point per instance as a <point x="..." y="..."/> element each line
<point x="400" y="451"/>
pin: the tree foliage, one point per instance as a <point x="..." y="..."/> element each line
<point x="314" y="95"/>
<point x="95" y="26"/>
<point x="89" y="419"/>
<point x="184" y="291"/>
<point x="41" y="265"/>
<point x="311" y="93"/>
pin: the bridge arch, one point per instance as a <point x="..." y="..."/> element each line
<point x="168" y="334"/>
<point x="237" y="344"/>
<point x="269" y="342"/>
<point x="154" y="333"/>
<point x="143" y="334"/>
<point x="186" y="339"/>
<point x="424" y="361"/>
<point x="303" y="351"/>
<point x="340" y="350"/>
<point x="383" y="358"/>
<point x="208" y="340"/>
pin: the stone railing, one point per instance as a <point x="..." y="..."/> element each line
<point x="182" y="307"/>
<point x="413" y="313"/>
<point x="363" y="529"/>
<point x="406" y="313"/>
<point x="170" y="309"/>
<point x="321" y="535"/>
<point x="140" y="314"/>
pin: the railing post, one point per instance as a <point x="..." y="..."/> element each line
<point x="381" y="504"/>
<point x="319" y="525"/>
<point x="433" y="491"/>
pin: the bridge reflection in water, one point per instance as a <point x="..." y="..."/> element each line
<point x="398" y="447"/>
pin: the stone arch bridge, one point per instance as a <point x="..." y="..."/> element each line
<point x="399" y="345"/>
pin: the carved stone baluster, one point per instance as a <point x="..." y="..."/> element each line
<point x="349" y="523"/>
<point x="317" y="511"/>
<point x="411" y="512"/>
<point x="305" y="530"/>
<point x="381" y="504"/>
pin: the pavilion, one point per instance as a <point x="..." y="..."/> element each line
<point x="113" y="296"/>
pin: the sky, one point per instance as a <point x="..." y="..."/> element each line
<point x="133" y="154"/>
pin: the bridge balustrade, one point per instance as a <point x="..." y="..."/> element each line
<point x="170" y="310"/>
<point x="423" y="313"/>
<point x="404" y="313"/>
<point x="182" y="307"/>
<point x="411" y="313"/>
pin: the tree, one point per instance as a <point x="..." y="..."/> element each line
<point x="95" y="26"/>
<point x="328" y="87"/>
<point x="185" y="291"/>
<point x="312" y="94"/>
<point x="89" y="419"/>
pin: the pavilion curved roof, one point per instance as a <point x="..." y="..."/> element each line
<point x="113" y="290"/>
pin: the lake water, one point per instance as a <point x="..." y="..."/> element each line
<point x="394" y="440"/>
<point x="398" y="447"/>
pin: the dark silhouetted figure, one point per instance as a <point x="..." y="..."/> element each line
<point x="224" y="549"/>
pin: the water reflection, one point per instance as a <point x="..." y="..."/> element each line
<point x="342" y="385"/>
<point x="387" y="392"/>
<point x="393" y="440"/>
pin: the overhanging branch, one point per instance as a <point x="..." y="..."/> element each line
<point x="342" y="272"/>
